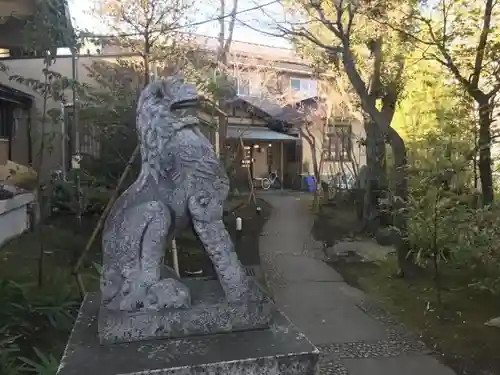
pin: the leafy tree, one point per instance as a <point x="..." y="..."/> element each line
<point x="461" y="36"/>
<point x="150" y="28"/>
<point x="223" y="50"/>
<point x="434" y="117"/>
<point x="343" y="31"/>
<point x="107" y="116"/>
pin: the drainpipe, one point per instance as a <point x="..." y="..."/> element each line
<point x="76" y="159"/>
<point x="75" y="108"/>
<point x="281" y="164"/>
<point x="63" y="140"/>
<point x="28" y="135"/>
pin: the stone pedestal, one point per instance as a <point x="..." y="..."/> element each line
<point x="210" y="313"/>
<point x="277" y="350"/>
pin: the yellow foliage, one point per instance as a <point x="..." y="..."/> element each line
<point x="18" y="175"/>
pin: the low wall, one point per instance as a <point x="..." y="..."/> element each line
<point x="14" y="218"/>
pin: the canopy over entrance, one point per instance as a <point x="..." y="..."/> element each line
<point x="257" y="133"/>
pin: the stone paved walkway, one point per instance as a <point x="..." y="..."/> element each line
<point x="353" y="334"/>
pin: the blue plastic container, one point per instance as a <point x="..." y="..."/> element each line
<point x="310" y="183"/>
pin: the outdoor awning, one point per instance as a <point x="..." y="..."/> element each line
<point x="257" y="133"/>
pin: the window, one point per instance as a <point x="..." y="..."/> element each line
<point x="243" y="86"/>
<point x="270" y="157"/>
<point x="6" y="120"/>
<point x="338" y="143"/>
<point x="247" y="157"/>
<point x="20" y="52"/>
<point x="249" y="86"/>
<point x="304" y="86"/>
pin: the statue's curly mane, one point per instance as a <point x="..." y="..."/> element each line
<point x="156" y="124"/>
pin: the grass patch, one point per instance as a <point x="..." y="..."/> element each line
<point x="40" y="318"/>
<point x="63" y="244"/>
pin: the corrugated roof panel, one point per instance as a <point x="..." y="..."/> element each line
<point x="286" y="114"/>
<point x="257" y="133"/>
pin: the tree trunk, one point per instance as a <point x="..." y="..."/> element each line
<point x="311" y="140"/>
<point x="383" y="120"/>
<point x="222" y="59"/>
<point x="485" y="172"/>
<point x="376" y="176"/>
<point x="406" y="259"/>
<point x="224" y="47"/>
<point x="146" y="58"/>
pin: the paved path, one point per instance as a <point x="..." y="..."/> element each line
<point x="355" y="336"/>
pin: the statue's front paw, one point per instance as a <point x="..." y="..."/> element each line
<point x="133" y="299"/>
<point x="169" y="293"/>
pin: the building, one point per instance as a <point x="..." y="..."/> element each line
<point x="21" y="54"/>
<point x="281" y="104"/>
<point x="275" y="92"/>
<point x="26" y="28"/>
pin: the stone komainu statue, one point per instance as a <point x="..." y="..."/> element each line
<point x="180" y="180"/>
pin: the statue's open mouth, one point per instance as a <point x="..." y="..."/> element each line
<point x="184" y="104"/>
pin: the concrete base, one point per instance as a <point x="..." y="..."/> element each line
<point x="278" y="350"/>
<point x="210" y="313"/>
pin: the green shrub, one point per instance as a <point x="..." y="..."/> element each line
<point x="26" y="315"/>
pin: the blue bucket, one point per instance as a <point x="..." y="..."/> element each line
<point x="310" y="183"/>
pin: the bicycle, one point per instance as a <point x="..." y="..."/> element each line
<point x="268" y="181"/>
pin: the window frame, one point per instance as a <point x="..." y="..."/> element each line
<point x="239" y="85"/>
<point x="304" y="90"/>
<point x="254" y="86"/>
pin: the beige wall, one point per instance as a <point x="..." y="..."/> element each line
<point x="330" y="168"/>
<point x="20" y="138"/>
<point x="260" y="162"/>
<point x="276" y="158"/>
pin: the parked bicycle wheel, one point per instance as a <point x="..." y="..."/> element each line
<point x="266" y="183"/>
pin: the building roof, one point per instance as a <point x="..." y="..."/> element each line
<point x="274" y="110"/>
<point x="257" y="133"/>
<point x="264" y="51"/>
<point x="284" y="59"/>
